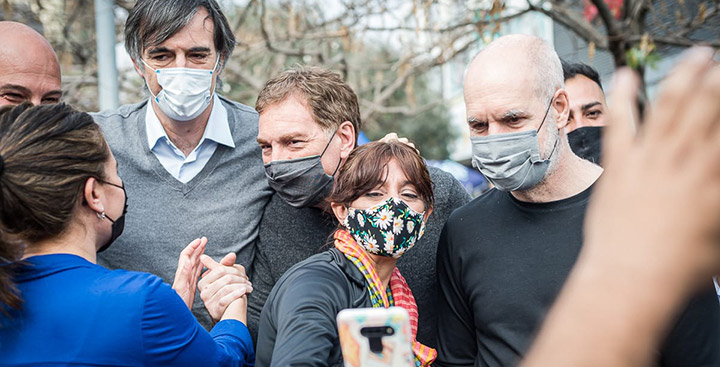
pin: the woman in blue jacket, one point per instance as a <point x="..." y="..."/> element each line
<point x="61" y="201"/>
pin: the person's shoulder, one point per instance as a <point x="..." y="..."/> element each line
<point x="320" y="278"/>
<point x="447" y="188"/>
<point x="280" y="215"/>
<point x="323" y="265"/>
<point x="238" y="108"/>
<point x="440" y="176"/>
<point x="125" y="282"/>
<point x="120" y="114"/>
<point x="482" y="205"/>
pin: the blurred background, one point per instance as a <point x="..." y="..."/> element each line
<point x="404" y="58"/>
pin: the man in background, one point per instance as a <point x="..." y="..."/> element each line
<point x="588" y="110"/>
<point x="29" y="68"/>
<point x="187" y="156"/>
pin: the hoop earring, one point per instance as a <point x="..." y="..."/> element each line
<point x="100" y="216"/>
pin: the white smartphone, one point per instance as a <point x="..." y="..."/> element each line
<point x="375" y="337"/>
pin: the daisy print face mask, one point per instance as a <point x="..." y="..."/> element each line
<point x="388" y="229"/>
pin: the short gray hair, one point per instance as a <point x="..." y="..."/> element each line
<point x="152" y="22"/>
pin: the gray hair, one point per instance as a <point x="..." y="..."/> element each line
<point x="152" y="22"/>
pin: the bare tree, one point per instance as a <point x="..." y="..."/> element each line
<point x="386" y="49"/>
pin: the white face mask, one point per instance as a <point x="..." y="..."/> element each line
<point x="185" y="92"/>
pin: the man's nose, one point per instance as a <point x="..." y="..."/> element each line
<point x="180" y="60"/>
<point x="280" y="154"/>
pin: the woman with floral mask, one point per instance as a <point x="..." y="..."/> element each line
<point x="382" y="198"/>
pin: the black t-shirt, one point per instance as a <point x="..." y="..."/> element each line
<point x="501" y="264"/>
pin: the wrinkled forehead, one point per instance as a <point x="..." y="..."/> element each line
<point x="581" y="90"/>
<point x="488" y="90"/>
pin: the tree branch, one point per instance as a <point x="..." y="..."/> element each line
<point x="675" y="41"/>
<point x="572" y="20"/>
<point x="401" y="110"/>
<point x="452" y="27"/>
<point x="273" y="48"/>
<point x="607" y="17"/>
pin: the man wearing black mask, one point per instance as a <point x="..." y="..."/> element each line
<point x="587" y="110"/>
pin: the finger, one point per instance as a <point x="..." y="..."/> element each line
<point x="213" y="300"/>
<point x="701" y="114"/>
<point x="214" y="287"/>
<point x="229" y="259"/>
<point x="389" y="137"/>
<point x="678" y="88"/>
<point x="217" y="273"/>
<point x="185" y="260"/>
<point x="210" y="290"/>
<point x="199" y="250"/>
<point x="209" y="263"/>
<point x="230" y="298"/>
<point x="190" y="248"/>
<point x="241" y="269"/>
<point x="620" y="130"/>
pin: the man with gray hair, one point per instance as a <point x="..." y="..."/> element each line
<point x="187" y="156"/>
<point x="503" y="258"/>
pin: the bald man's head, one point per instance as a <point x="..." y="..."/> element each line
<point x="515" y="86"/>
<point x="523" y="59"/>
<point x="511" y="82"/>
<point x="29" y="68"/>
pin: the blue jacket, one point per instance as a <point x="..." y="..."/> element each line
<point x="76" y="313"/>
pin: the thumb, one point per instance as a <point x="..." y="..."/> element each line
<point x="208" y="262"/>
<point x="229" y="259"/>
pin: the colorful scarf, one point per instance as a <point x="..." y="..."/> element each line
<point x="399" y="293"/>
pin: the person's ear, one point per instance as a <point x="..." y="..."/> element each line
<point x="561" y="105"/>
<point x="428" y="211"/>
<point x="346" y="132"/>
<point x="340" y="211"/>
<point x="139" y="68"/>
<point x="92" y="195"/>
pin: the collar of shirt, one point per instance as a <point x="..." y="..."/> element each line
<point x="217" y="129"/>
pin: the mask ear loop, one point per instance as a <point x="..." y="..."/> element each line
<point x="541" y="124"/>
<point x="326" y="146"/>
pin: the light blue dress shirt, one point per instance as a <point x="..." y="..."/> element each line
<point x="181" y="167"/>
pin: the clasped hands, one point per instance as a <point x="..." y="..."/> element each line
<point x="223" y="286"/>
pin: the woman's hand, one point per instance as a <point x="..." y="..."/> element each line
<point x="224" y="287"/>
<point x="188" y="271"/>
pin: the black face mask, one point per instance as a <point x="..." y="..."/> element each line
<point x="586" y="143"/>
<point x="118" y="225"/>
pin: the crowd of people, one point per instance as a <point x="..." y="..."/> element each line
<point x="191" y="230"/>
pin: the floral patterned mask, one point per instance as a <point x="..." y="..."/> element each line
<point x="388" y="229"/>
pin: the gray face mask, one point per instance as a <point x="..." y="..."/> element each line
<point x="300" y="182"/>
<point x="511" y="162"/>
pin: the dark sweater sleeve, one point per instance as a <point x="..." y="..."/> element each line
<point x="172" y="337"/>
<point x="263" y="280"/>
<point x="305" y="318"/>
<point x="456" y="344"/>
